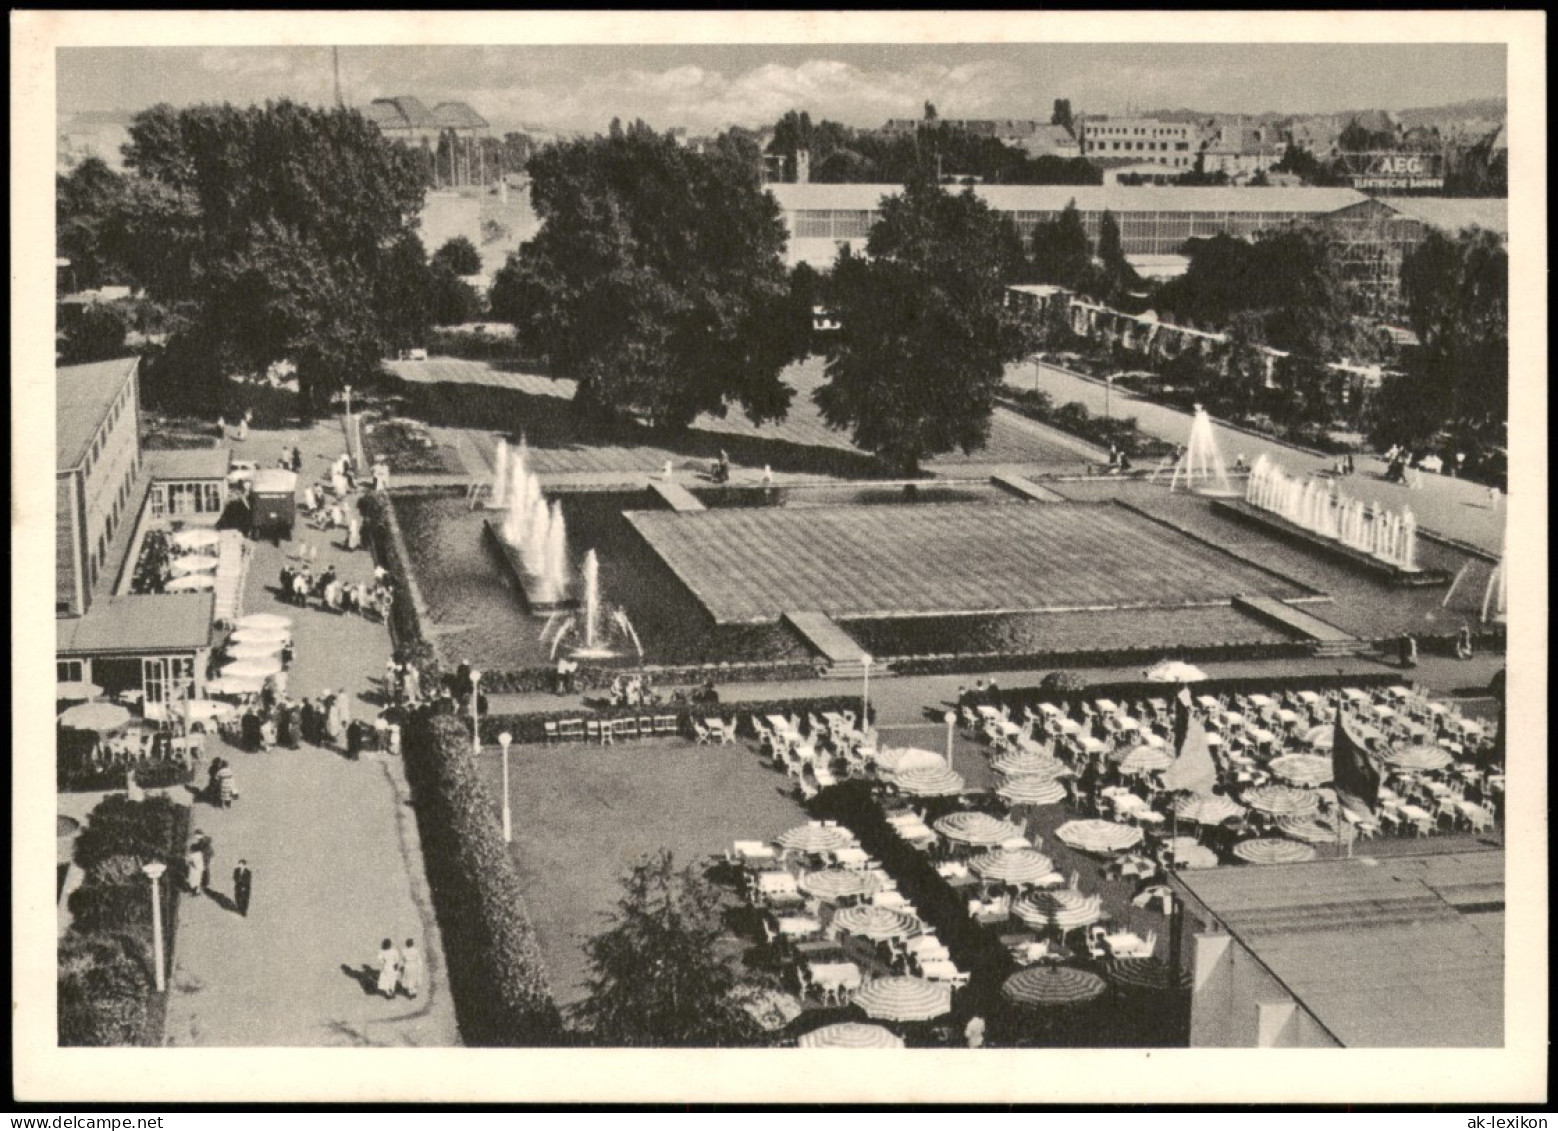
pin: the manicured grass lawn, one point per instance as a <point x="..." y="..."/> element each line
<point x="584" y="814"/>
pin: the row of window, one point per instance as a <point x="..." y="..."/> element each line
<point x="186" y="498"/>
<point x="1137" y="146"/>
<point x="1139" y="131"/>
<point x="100" y="441"/>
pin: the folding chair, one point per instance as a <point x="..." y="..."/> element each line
<point x="592" y="730"/>
<point x="701" y="733"/>
<point x="550" y="727"/>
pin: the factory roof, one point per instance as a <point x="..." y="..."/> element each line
<point x="1089" y="198"/>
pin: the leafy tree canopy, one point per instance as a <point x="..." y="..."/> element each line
<point x="657" y="279"/>
<point x="1456" y="290"/>
<point x="925" y="334"/>
<point x="660" y="975"/>
<point x="458" y="257"/>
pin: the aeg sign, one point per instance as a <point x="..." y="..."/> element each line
<point x="1397" y="171"/>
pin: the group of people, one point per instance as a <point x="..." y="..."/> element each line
<point x="264" y="722"/>
<point x="1119" y="462"/>
<point x="400" y="970"/>
<point x="634" y="691"/>
<point x="982" y="694"/>
<point x="1343" y="466"/>
<point x="241" y="431"/>
<point x="197" y="872"/>
<point x="299" y="585"/>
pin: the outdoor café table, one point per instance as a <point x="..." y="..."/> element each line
<point x="799" y="926"/>
<point x="1049" y="709"/>
<point x="1471" y="727"/>
<point x="1263" y="700"/>
<point x="1125" y="944"/>
<point x="1437" y="708"/>
<point x="1107" y="706"/>
<point x="1287" y="716"/>
<point x="1153" y="740"/>
<point x="1208" y="702"/>
<point x="1437" y="788"/>
<point x="987" y="711"/>
<point x="752" y="853"/>
<point x="951" y="869"/>
<point x="1355" y="695"/>
<point x="939" y="970"/>
<point x="1308" y="697"/>
<point x="1213" y="739"/>
<point x="1262" y="736"/>
<point x="1496" y="783"/>
<point x="1235" y="719"/>
<point x="1128" y="723"/>
<point x="1414" y="814"/>
<point x="1397" y="692"/>
<point x="851" y="857"/>
<point x="1145" y="816"/>
<point x="1383" y="711"/>
<point x="845" y="974"/>
<point x="1090" y="744"/>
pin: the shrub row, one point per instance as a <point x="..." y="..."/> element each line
<point x="405" y="621"/>
<point x="496" y="973"/>
<point x="1074" y="417"/>
<point x="105" y="980"/>
<point x="532" y="727"/>
<point x="525" y="681"/>
<point x="86" y="777"/>
<point x="1104" y="658"/>
<point x="1018" y="697"/>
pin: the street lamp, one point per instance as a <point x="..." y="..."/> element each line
<point x="951" y="719"/>
<point x="154" y="871"/>
<point x="348" y="390"/>
<point x="504" y="740"/>
<point x="865" y="693"/>
<point x="475" y="714"/>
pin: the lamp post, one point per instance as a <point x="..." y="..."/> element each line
<point x="504" y="740"/>
<point x="154" y="871"/>
<point x="475" y="714"/>
<point x="865" y="693"/>
<point x="348" y="391"/>
<point x="951" y="719"/>
<point x="1108" y="388"/>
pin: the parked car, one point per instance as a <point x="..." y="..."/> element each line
<point x="241" y="471"/>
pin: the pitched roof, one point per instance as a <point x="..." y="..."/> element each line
<point x="162" y="622"/>
<point x="1089" y="198"/>
<point x="1453" y="214"/>
<point x="1400" y="951"/>
<point x="401" y="111"/>
<point x="458" y="116"/>
<point x="82" y="396"/>
<point x="188" y="463"/>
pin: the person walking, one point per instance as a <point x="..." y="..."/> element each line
<point x="243" y="887"/>
<point x="974" y="1032"/>
<point x="413" y="969"/>
<point x="194" y="868"/>
<point x="207" y="850"/>
<point x="389" y="969"/>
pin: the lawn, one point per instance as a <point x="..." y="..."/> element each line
<point x="583" y="815"/>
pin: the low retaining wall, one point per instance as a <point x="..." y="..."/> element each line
<point x="1293" y="534"/>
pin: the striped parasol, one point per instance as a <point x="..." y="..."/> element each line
<point x="260" y="636"/>
<point x="835" y="883"/>
<point x="1026" y="762"/>
<point x="1051" y="986"/>
<point x="1208" y="809"/>
<point x="1015" y="866"/>
<point x="264" y="620"/>
<point x="876" y="923"/>
<point x="904" y="758"/>
<point x="190" y="583"/>
<point x="1280" y="800"/>
<point x="1313" y="830"/>
<point x="1273" y="850"/>
<point x="1190" y="853"/>
<point x="816" y="838"/>
<point x="191" y="564"/>
<point x="1146" y="760"/>
<point x="978" y="829"/>
<point x="1302" y="769"/>
<point x="901" y="998"/>
<point x="254" y="651"/>
<point x="929" y="782"/>
<point x="1146" y="974"/>
<point x="850" y="1035"/>
<point x="1420" y="757"/>
<point x="1094" y="835"/>
<point x="1061" y="908"/>
<point x="1032" y="789"/>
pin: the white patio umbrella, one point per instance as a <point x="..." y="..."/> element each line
<point x="76" y="689"/>
<point x="816" y="838"/>
<point x="1052" y="986"/>
<point x="876" y="923"/>
<point x="1063" y="908"/>
<point x="101" y="717"/>
<point x="905" y="758"/>
<point x="1175" y="671"/>
<point x="189" y="583"/>
<point x="929" y="782"/>
<point x="1208" y="809"/>
<point x="836" y="883"/>
<point x="260" y="636"/>
<point x="252" y="669"/>
<point x="1032" y="789"/>
<point x="1146" y="760"/>
<point x="254" y="651"/>
<point x="264" y="620"/>
<point x="1313" y="830"/>
<point x="850" y="1035"/>
<point x="1420" y="757"/>
<point x="1027" y="763"/>
<point x="196" y="539"/>
<point x="1093" y="835"/>
<point x="976" y="828"/>
<point x="181" y="567"/>
<point x="902" y="998"/>
<point x="1280" y="800"/>
<point x="1273" y="850"/>
<point x="1302" y="769"/>
<point x="1016" y="866"/>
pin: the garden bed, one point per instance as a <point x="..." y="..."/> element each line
<point x="410" y="448"/>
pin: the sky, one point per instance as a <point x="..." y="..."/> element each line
<point x="707" y="88"/>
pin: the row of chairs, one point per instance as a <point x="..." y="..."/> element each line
<point x="604" y="732"/>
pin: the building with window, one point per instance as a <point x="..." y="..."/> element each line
<point x="97" y="461"/>
<point x="1172" y="144"/>
<point x="1368" y="952"/>
<point x="188" y="486"/>
<point x="154" y="649"/>
<point x="1154" y="220"/>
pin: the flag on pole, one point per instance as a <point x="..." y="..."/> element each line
<point x="1193" y="771"/>
<point x="1355" y="775"/>
<point x="1181" y="717"/>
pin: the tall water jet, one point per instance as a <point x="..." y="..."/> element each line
<point x="591" y="573"/>
<point x="500" y="474"/>
<point x="1201" y="462"/>
<point x="533" y="534"/>
<point x="554" y="561"/>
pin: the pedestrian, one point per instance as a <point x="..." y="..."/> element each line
<point x="389" y="969"/>
<point x="221" y="427"/>
<point x="413" y="971"/>
<point x="335" y="726"/>
<point x="1463" y="649"/>
<point x="560" y="685"/>
<point x="194" y="868"/>
<point x="394" y="738"/>
<point x="768" y="476"/>
<point x="354" y="533"/>
<point x="297" y="459"/>
<point x="243" y="887"/>
<point x="1493" y="496"/>
<point x="268" y="732"/>
<point x="354" y="740"/>
<point x="1408" y="651"/>
<point x="207" y="850"/>
<point x="218" y="764"/>
<point x="974" y="1032"/>
<point x="227" y="791"/>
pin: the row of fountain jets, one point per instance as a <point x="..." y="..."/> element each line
<point x="538" y="533"/>
<point x="1322" y="508"/>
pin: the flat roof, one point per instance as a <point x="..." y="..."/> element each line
<point x="1089" y="198"/>
<point x="82" y="394"/>
<point x="161" y="622"/>
<point x="1385" y="952"/>
<point x="188" y="463"/>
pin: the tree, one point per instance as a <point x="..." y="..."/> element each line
<point x="657" y="280"/>
<point x="1062" y="253"/>
<point x="1061" y="115"/>
<point x="1456" y="290"/>
<point x="930" y="111"/>
<point x="271" y="227"/>
<point x="1113" y="275"/>
<point x="404" y="294"/>
<point x="458" y="257"/>
<point x="451" y="300"/>
<point x="97" y="333"/>
<point x="660" y="975"/>
<point x="86" y="204"/>
<point x="925" y="334"/>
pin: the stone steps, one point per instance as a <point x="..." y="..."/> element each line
<point x="846" y="659"/>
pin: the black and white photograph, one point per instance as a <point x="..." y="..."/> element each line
<point x="690" y="535"/>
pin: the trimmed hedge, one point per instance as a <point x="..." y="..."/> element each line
<point x="106" y="983"/>
<point x="1234" y="685"/>
<point x="526" y="681"/>
<point x="405" y="621"/>
<point x="532" y="728"/>
<point x="1107" y="658"/>
<point x="87" y="778"/>
<point x="496" y="973"/>
<point x="1073" y="417"/>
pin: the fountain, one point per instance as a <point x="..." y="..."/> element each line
<point x="1202" y="462"/>
<point x="602" y="632"/>
<point x="1495" y="599"/>
<point x="531" y="537"/>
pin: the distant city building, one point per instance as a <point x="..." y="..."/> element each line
<point x="451" y="133"/>
<point x="1147" y="140"/>
<point x="1373" y="952"/>
<point x="1035" y="137"/>
<point x="1240" y="150"/>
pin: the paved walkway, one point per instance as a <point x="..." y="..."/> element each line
<point x="334" y="848"/>
<point x="1446" y="505"/>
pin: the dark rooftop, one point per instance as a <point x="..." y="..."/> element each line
<point x="82" y="396"/>
<point x="402" y="111"/>
<point x="1388" y="952"/>
<point x="163" y="622"/>
<point x="458" y="116"/>
<point x="188" y="463"/>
